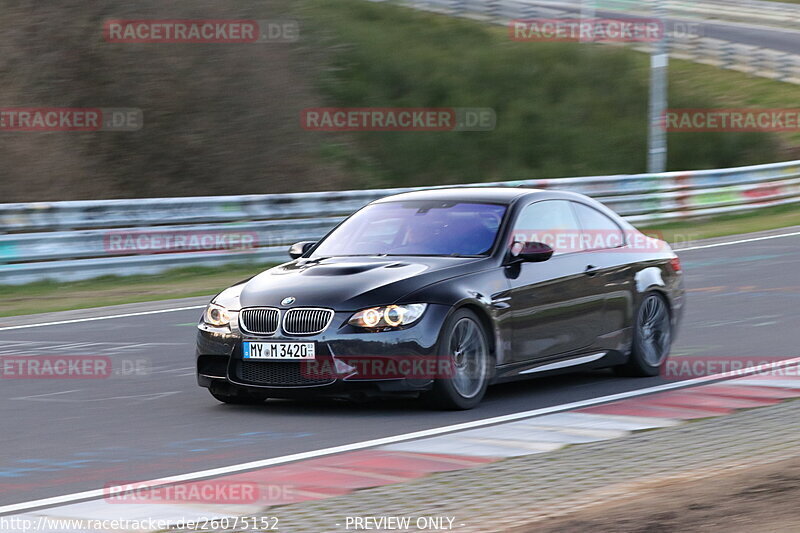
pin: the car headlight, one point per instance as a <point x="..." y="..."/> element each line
<point x="387" y="317"/>
<point x="216" y="315"/>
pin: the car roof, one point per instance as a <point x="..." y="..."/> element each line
<point x="495" y="195"/>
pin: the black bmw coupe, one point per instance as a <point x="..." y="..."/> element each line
<point x="439" y="294"/>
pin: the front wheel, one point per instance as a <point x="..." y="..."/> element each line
<point x="652" y="338"/>
<point x="464" y="344"/>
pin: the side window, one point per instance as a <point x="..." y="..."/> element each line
<point x="598" y="232"/>
<point x="552" y="222"/>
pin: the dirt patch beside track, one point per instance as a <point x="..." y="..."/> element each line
<point x="763" y="498"/>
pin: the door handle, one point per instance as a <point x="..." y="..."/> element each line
<point x="590" y="271"/>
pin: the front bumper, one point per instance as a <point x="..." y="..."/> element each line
<point x="349" y="361"/>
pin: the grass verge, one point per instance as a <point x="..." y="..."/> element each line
<point x="721" y="226"/>
<point x="46" y="296"/>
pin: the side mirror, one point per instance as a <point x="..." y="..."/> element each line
<point x="531" y="252"/>
<point x="298" y="249"/>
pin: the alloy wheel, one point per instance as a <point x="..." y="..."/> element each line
<point x="655" y="330"/>
<point x="469" y="351"/>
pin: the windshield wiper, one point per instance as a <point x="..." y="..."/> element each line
<point x="434" y="255"/>
<point x="356" y="255"/>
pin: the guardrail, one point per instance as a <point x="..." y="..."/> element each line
<point x="753" y="60"/>
<point x="780" y="14"/>
<point x="80" y="240"/>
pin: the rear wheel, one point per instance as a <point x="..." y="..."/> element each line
<point x="236" y="396"/>
<point x="464" y="344"/>
<point x="652" y="338"/>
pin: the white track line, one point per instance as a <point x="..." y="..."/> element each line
<point x="742" y="241"/>
<point x="77" y="320"/>
<point x="215" y="472"/>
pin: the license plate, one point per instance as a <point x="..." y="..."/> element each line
<point x="271" y="351"/>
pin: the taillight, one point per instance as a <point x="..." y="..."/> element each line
<point x="675" y="263"/>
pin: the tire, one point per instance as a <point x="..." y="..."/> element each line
<point x="465" y="342"/>
<point x="235" y="396"/>
<point x="652" y="338"/>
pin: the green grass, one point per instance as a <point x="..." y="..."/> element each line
<point x="738" y="90"/>
<point x="720" y="226"/>
<point x="563" y="109"/>
<point x="48" y="296"/>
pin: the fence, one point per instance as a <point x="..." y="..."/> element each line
<point x="76" y="240"/>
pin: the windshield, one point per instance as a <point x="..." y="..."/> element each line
<point x="416" y="228"/>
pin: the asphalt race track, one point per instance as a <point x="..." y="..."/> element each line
<point x="63" y="436"/>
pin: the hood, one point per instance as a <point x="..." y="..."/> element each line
<point x="349" y="283"/>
